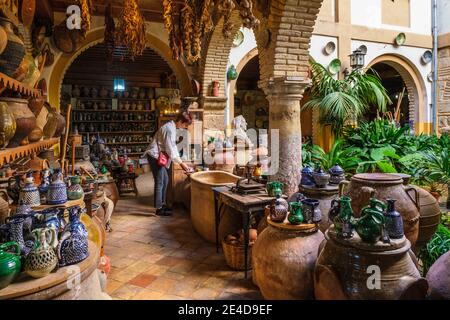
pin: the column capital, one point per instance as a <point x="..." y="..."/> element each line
<point x="213" y="103"/>
<point x="286" y="88"/>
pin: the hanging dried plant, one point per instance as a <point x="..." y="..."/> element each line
<point x="169" y="24"/>
<point x="110" y="29"/>
<point x="226" y="7"/>
<point x="131" y="29"/>
<point x="86" y="17"/>
<point x="246" y="12"/>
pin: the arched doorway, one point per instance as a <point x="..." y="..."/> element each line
<point x="398" y="92"/>
<point x="397" y="71"/>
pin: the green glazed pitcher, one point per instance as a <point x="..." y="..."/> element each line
<point x="295" y="216"/>
<point x="10" y="264"/>
<point x="273" y="188"/>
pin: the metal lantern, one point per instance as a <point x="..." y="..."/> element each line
<point x="357" y="59"/>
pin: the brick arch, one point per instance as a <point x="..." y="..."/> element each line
<point x="415" y="85"/>
<point x="96" y="36"/>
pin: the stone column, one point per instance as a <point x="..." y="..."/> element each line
<point x="443" y="99"/>
<point x="284" y="96"/>
<point x="213" y="114"/>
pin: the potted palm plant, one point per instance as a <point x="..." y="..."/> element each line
<point x="342" y="101"/>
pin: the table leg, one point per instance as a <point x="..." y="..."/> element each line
<point x="246" y="226"/>
<point x="217" y="218"/>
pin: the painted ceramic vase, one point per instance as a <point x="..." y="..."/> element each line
<point x="57" y="191"/>
<point x="16" y="234"/>
<point x="52" y="218"/>
<point x="10" y="264"/>
<point x="337" y="174"/>
<point x="311" y="211"/>
<point x="295" y="215"/>
<point x="7" y="125"/>
<point x="75" y="191"/>
<point x="394" y="221"/>
<point x="273" y="188"/>
<point x="42" y="259"/>
<point x="232" y="73"/>
<point x="307" y="176"/>
<point x="342" y="221"/>
<point x="73" y="247"/>
<point x="321" y="178"/>
<point x="29" y="194"/>
<point x="25" y="211"/>
<point x="278" y="211"/>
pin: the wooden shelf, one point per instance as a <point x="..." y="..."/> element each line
<point x="109" y="110"/>
<point x="118" y="132"/>
<point x="115" y="121"/>
<point x="125" y="143"/>
<point x="132" y="99"/>
<point x="93" y="99"/>
<point x="17" y="86"/>
<point x="11" y="154"/>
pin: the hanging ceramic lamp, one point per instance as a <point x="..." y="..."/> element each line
<point x="400" y="39"/>
<point x="232" y="73"/>
<point x="335" y="66"/>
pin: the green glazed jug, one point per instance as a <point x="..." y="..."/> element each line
<point x="10" y="264"/>
<point x="273" y="188"/>
<point x="370" y="226"/>
<point x="295" y="216"/>
<point x="232" y="73"/>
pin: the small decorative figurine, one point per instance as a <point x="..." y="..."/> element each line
<point x="370" y="226"/>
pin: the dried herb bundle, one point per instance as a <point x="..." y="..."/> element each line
<point x="227" y="7"/>
<point x="86" y="17"/>
<point x="131" y="29"/>
<point x="246" y="12"/>
<point x="110" y="30"/>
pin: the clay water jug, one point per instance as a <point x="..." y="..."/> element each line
<point x="7" y="125"/>
<point x="13" y="54"/>
<point x="42" y="259"/>
<point x="25" y="119"/>
<point x="4" y="206"/>
<point x="10" y="264"/>
<point x="362" y="187"/>
<point x="215" y="88"/>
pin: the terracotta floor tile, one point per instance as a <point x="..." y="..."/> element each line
<point x="182" y="288"/>
<point x="157" y="270"/>
<point x="142" y="280"/>
<point x="172" y="297"/>
<point x="180" y="253"/>
<point x="169" y="261"/>
<point x="173" y="275"/>
<point x="162" y="284"/>
<point x="148" y="295"/>
<point x="205" y="294"/>
<point x="127" y="292"/>
<point x="122" y="263"/>
<point x="215" y="283"/>
<point x="152" y="258"/>
<point x="184" y="267"/>
<point x="112" y="285"/>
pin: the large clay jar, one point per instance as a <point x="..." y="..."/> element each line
<point x="36" y="105"/>
<point x="12" y="56"/>
<point x="347" y="269"/>
<point x="4" y="206"/>
<point x="430" y="217"/>
<point x="51" y="126"/>
<point x="49" y="154"/>
<point x="384" y="186"/>
<point x="7" y="125"/>
<point x="25" y="120"/>
<point x="325" y="196"/>
<point x="35" y="135"/>
<point x="439" y="278"/>
<point x="283" y="258"/>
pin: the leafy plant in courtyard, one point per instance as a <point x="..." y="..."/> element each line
<point x="436" y="167"/>
<point x="436" y="247"/>
<point x="342" y="101"/>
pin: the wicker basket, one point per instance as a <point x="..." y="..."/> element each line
<point x="235" y="256"/>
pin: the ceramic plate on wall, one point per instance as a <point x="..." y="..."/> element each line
<point x="238" y="39"/>
<point x="400" y="39"/>
<point x="329" y="48"/>
<point x="363" y="49"/>
<point x="427" y="57"/>
<point x="335" y="66"/>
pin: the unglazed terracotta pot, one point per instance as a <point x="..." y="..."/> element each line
<point x="25" y="119"/>
<point x="384" y="186"/>
<point x="439" y="278"/>
<point x="7" y="124"/>
<point x="36" y="105"/>
<point x="202" y="212"/>
<point x="35" y="135"/>
<point x="13" y="54"/>
<point x="344" y="269"/>
<point x="430" y="217"/>
<point x="283" y="261"/>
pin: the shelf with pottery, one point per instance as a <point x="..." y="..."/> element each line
<point x="114" y="121"/>
<point x="57" y="285"/>
<point x="17" y="86"/>
<point x="11" y="154"/>
<point x="109" y="110"/>
<point x="116" y="132"/>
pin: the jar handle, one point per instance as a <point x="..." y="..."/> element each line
<point x="416" y="199"/>
<point x="8" y="245"/>
<point x="369" y="190"/>
<point x="4" y="195"/>
<point x="342" y="186"/>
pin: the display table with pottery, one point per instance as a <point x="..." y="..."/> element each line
<point x="354" y="269"/>
<point x="76" y="282"/>
<point x="284" y="257"/>
<point x="325" y="196"/>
